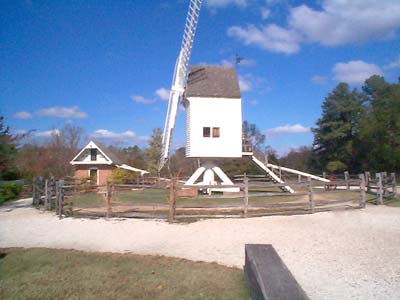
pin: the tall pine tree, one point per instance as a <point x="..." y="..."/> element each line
<point x="336" y="141"/>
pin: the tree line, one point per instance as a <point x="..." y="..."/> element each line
<point x="359" y="129"/>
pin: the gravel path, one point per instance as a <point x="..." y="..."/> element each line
<point x="342" y="255"/>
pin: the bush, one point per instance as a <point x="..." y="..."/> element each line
<point x="9" y="191"/>
<point x="120" y="176"/>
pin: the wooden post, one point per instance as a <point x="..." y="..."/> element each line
<point x="310" y="194"/>
<point x="368" y="180"/>
<point x="324" y="174"/>
<point x="36" y="191"/>
<point x="346" y="178"/>
<point x="299" y="178"/>
<point x="246" y="194"/>
<point x="59" y="197"/>
<point x="47" y="195"/>
<point x="394" y="184"/>
<point x="172" y="200"/>
<point x="379" y="199"/>
<point x="362" y="191"/>
<point x="280" y="173"/>
<point x="108" y="200"/>
<point x="384" y="183"/>
<point x="52" y="190"/>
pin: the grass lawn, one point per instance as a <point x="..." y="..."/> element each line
<point x="160" y="196"/>
<point x="64" y="274"/>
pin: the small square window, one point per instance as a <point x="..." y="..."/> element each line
<point x="93" y="154"/>
<point x="206" y="131"/>
<point x="215" y="132"/>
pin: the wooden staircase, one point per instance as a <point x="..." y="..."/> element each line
<point x="274" y="178"/>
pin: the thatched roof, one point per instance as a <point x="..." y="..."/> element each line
<point x="212" y="81"/>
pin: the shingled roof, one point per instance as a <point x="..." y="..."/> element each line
<point x="212" y="81"/>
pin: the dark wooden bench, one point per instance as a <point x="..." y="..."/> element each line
<point x="267" y="275"/>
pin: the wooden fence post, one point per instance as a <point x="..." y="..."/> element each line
<point x="47" y="195"/>
<point x="310" y="194"/>
<point x="362" y="191"/>
<point x="52" y="190"/>
<point x="36" y="191"/>
<point x="394" y="184"/>
<point x="108" y="200"/>
<point x="346" y="178"/>
<point x="172" y="200"/>
<point x="324" y="174"/>
<point x="246" y="194"/>
<point x="368" y="180"/>
<point x="384" y="183"/>
<point x="379" y="199"/>
<point x="59" y="197"/>
<point x="299" y="178"/>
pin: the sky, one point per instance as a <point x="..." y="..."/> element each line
<point x="107" y="66"/>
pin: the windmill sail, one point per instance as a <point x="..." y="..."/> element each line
<point x="179" y="79"/>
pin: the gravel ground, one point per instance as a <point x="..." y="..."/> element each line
<point x="352" y="254"/>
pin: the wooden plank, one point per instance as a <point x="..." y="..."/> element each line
<point x="267" y="275"/>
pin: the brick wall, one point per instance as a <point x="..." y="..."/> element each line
<point x="104" y="171"/>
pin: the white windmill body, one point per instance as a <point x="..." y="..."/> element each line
<point x="213" y="105"/>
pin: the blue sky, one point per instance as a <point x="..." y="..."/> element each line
<point x="107" y="65"/>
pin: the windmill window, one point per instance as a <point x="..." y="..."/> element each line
<point x="206" y="131"/>
<point x="215" y="132"/>
<point x="93" y="154"/>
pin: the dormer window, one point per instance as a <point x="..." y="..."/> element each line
<point x="93" y="154"/>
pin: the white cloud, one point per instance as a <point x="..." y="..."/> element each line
<point x="318" y="79"/>
<point x="117" y="137"/>
<point x="143" y="100"/>
<point x="244" y="84"/>
<point x="265" y="13"/>
<point x="62" y="112"/>
<point x="23" y="115"/>
<point x="224" y="3"/>
<point x="346" y="21"/>
<point x="163" y="93"/>
<point x="288" y="129"/>
<point x="355" y="72"/>
<point x="393" y="65"/>
<point x="270" y="37"/>
<point x="336" y="22"/>
<point x="47" y="133"/>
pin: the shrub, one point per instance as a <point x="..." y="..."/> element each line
<point x="9" y="191"/>
<point x="119" y="176"/>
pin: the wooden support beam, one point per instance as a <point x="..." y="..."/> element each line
<point x="267" y="275"/>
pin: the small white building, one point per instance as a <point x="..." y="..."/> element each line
<point x="213" y="113"/>
<point x="97" y="163"/>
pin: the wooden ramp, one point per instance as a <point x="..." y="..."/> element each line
<point x="267" y="275"/>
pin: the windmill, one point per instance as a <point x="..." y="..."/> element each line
<point x="212" y="100"/>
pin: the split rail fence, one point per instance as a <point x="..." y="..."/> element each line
<point x="172" y="200"/>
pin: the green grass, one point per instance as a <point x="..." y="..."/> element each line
<point x="394" y="202"/>
<point x="63" y="274"/>
<point x="160" y="196"/>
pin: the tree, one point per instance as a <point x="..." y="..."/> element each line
<point x="52" y="157"/>
<point x="252" y="136"/>
<point x="336" y="137"/>
<point x="153" y="151"/>
<point x="8" y="152"/>
<point x="380" y="127"/>
<point x="298" y="159"/>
